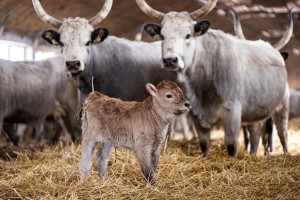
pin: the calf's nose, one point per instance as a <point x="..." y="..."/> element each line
<point x="170" y="61"/>
<point x="74" y="64"/>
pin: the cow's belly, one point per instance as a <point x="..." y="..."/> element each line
<point x="255" y="108"/>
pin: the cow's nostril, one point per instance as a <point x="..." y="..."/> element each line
<point x="187" y="104"/>
<point x="175" y="61"/>
<point x="73" y="64"/>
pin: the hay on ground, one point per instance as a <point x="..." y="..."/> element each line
<point x="52" y="172"/>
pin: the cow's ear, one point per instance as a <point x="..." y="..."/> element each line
<point x="52" y="37"/>
<point x="98" y="35"/>
<point x="154" y="31"/>
<point x="151" y="89"/>
<point x="201" y="27"/>
<point x="285" y="55"/>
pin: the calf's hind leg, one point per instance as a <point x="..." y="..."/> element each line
<point x="102" y="157"/>
<point x="85" y="163"/>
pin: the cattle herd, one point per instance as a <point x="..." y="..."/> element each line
<point x="127" y="93"/>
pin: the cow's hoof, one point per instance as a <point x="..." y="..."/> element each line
<point x="232" y="151"/>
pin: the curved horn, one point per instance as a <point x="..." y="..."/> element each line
<point x="287" y="34"/>
<point x="45" y="16"/>
<point x="237" y="24"/>
<point x="94" y="21"/>
<point x="204" y="10"/>
<point x="5" y="20"/>
<point x="150" y="11"/>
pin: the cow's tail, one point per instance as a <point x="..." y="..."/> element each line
<point x="5" y="21"/>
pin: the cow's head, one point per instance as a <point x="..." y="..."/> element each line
<point x="178" y="31"/>
<point x="74" y="35"/>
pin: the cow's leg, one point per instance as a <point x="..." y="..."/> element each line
<point x="246" y="138"/>
<point x="85" y="163"/>
<point x="143" y="155"/>
<point x="102" y="158"/>
<point x="10" y="132"/>
<point x="203" y="136"/>
<point x="255" y="130"/>
<point x="232" y="126"/>
<point x="281" y="122"/>
<point x="269" y="131"/>
<point x="185" y="126"/>
<point x="39" y="130"/>
<point x="171" y="130"/>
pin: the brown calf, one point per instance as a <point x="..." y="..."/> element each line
<point x="138" y="126"/>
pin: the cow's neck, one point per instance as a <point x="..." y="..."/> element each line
<point x="198" y="82"/>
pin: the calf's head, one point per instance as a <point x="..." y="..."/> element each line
<point x="74" y="35"/>
<point x="178" y="32"/>
<point x="168" y="99"/>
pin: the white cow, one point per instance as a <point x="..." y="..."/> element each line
<point x="225" y="78"/>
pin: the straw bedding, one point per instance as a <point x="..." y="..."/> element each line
<point x="51" y="172"/>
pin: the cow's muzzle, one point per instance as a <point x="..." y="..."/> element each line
<point x="73" y="65"/>
<point x="170" y="62"/>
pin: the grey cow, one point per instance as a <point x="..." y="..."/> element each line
<point x="225" y="78"/>
<point x="29" y="90"/>
<point x="118" y="67"/>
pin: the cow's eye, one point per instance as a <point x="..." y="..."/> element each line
<point x="61" y="44"/>
<point x="162" y="37"/>
<point x="169" y="96"/>
<point x="187" y="36"/>
<point x="88" y="43"/>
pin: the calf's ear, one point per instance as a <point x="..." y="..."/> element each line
<point x="201" y="27"/>
<point x="52" y="37"/>
<point x="154" y="31"/>
<point x="98" y="35"/>
<point x="151" y="89"/>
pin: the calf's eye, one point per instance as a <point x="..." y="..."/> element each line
<point x="169" y="96"/>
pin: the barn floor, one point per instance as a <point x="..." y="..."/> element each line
<point x="49" y="172"/>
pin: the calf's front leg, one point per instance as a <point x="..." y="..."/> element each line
<point x="143" y="156"/>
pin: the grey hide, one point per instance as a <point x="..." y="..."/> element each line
<point x="121" y="68"/>
<point x="29" y="90"/>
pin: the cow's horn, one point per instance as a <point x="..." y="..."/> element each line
<point x="45" y="16"/>
<point x="237" y="24"/>
<point x="150" y="11"/>
<point x="287" y="34"/>
<point x="204" y="10"/>
<point x="94" y="21"/>
<point x="5" y="21"/>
